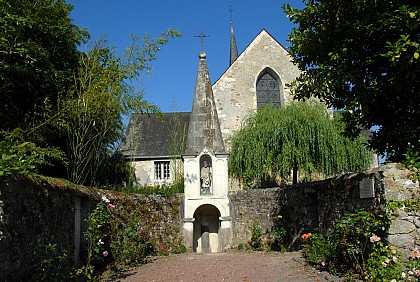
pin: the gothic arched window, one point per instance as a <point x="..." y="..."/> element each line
<point x="268" y="90"/>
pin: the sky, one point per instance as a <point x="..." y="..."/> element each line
<point x="171" y="86"/>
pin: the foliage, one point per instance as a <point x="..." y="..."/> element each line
<point x="18" y="156"/>
<point x="117" y="171"/>
<point x="279" y="233"/>
<point x="116" y="239"/>
<point x="104" y="91"/>
<point x="362" y="57"/>
<point x="383" y="263"/>
<point x="177" y="139"/>
<point x="412" y="161"/>
<point x="38" y="47"/>
<point x="54" y="265"/>
<point x="301" y="136"/>
<point x="354" y="247"/>
<point x="98" y="239"/>
<point x="164" y="189"/>
<point x="256" y="242"/>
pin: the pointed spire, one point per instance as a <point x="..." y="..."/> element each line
<point x="233" y="48"/>
<point x="204" y="129"/>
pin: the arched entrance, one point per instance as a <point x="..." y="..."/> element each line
<point x="206" y="229"/>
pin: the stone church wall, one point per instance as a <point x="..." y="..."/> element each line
<point x="235" y="90"/>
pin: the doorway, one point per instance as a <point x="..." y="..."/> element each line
<point x="206" y="229"/>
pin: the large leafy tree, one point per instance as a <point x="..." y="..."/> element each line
<point x="301" y="137"/>
<point x="362" y="57"/>
<point x="38" y="56"/>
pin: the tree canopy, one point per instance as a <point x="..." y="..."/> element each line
<point x="38" y="56"/>
<point x="362" y="57"/>
<point x="64" y="99"/>
<point x="301" y="136"/>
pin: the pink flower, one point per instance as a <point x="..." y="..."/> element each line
<point x="384" y="264"/>
<point x="417" y="272"/>
<point x="415" y="254"/>
<point x="323" y="264"/>
<point x="105" y="253"/>
<point x="111" y="206"/>
<point x="374" y="238"/>
<point x="105" y="199"/>
<point x="395" y="259"/>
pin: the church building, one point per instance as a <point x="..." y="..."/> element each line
<point x="195" y="145"/>
<point x="254" y="78"/>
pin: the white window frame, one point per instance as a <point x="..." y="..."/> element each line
<point x="162" y="170"/>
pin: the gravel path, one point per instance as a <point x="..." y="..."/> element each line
<point x="228" y="266"/>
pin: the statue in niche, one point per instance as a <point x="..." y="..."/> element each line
<point x="205" y="176"/>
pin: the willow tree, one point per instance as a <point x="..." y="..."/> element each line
<point x="301" y="137"/>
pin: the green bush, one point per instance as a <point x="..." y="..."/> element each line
<point x="18" y="156"/>
<point x="356" y="249"/>
<point x="412" y="162"/>
<point x="54" y="265"/>
<point x="116" y="240"/>
<point x="256" y="237"/>
<point x="279" y="233"/>
<point x="164" y="189"/>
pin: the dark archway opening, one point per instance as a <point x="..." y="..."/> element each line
<point x="206" y="229"/>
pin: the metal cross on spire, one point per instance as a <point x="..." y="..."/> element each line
<point x="231" y="11"/>
<point x="202" y="36"/>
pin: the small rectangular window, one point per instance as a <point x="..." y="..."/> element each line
<point x="162" y="170"/>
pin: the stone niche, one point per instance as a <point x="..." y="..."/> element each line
<point x="206" y="204"/>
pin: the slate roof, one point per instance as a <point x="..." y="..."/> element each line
<point x="148" y="136"/>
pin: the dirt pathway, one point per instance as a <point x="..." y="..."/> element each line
<point x="228" y="266"/>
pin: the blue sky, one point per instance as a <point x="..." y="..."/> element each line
<point x="172" y="83"/>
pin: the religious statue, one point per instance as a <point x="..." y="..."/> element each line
<point x="206" y="174"/>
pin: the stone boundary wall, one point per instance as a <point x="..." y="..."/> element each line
<point x="36" y="211"/>
<point x="305" y="207"/>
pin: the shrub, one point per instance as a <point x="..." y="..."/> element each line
<point x="19" y="156"/>
<point x="279" y="235"/>
<point x="116" y="239"/>
<point x="256" y="237"/>
<point x="412" y="162"/>
<point x="54" y="265"/>
<point x="355" y="249"/>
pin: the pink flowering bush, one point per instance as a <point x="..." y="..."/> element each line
<point x="349" y="247"/>
<point x="413" y="266"/>
<point x="115" y="239"/>
<point x="356" y="249"/>
<point x="384" y="263"/>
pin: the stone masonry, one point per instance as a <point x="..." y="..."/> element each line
<point x="235" y="90"/>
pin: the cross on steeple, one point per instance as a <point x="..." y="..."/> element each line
<point x="231" y="11"/>
<point x="202" y="36"/>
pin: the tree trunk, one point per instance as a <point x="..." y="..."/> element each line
<point x="295" y="175"/>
